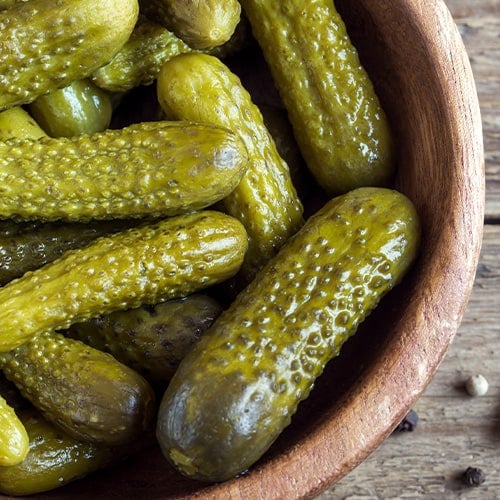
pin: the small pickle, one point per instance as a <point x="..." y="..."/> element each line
<point x="14" y="442"/>
<point x="51" y="43"/>
<point x="140" y="59"/>
<point x="202" y="25"/>
<point x="237" y="389"/>
<point x="55" y="458"/>
<point x="79" y="108"/>
<point x="84" y="391"/>
<point x="200" y="87"/>
<point x="147" y="169"/>
<point x="160" y="261"/>
<point x="152" y="339"/>
<point x="342" y="130"/>
<point x="17" y="122"/>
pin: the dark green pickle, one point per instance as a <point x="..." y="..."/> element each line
<point x="151" y="339"/>
<point x="238" y="388"/>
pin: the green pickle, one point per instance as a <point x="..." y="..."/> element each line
<point x="14" y="442"/>
<point x="200" y="87"/>
<point x="17" y="122"/>
<point x="341" y="128"/>
<point x="84" y="391"/>
<point x="151" y="339"/>
<point x="51" y="43"/>
<point x="238" y="388"/>
<point x="159" y="261"/>
<point x="79" y="108"/>
<point x="147" y="169"/>
<point x="55" y="458"/>
<point x="140" y="59"/>
<point x="202" y="25"/>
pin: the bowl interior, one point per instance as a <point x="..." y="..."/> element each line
<point x="417" y="62"/>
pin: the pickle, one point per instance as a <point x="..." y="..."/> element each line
<point x="79" y="108"/>
<point x="238" y="388"/>
<point x="54" y="42"/>
<point x="17" y="122"/>
<point x="14" y="442"/>
<point x="31" y="248"/>
<point x="140" y="59"/>
<point x="151" y="339"/>
<point x="202" y="25"/>
<point x="144" y="265"/>
<point x="154" y="169"/>
<point x="55" y="458"/>
<point x="200" y="87"/>
<point x="86" y="392"/>
<point x="339" y="123"/>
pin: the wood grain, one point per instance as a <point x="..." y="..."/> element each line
<point x="456" y="430"/>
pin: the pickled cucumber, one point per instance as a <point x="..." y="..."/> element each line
<point x="342" y="130"/>
<point x="238" y="388"/>
<point x="17" y="122"/>
<point x="47" y="44"/>
<point x="56" y="459"/>
<point x="14" y="442"/>
<point x="143" y="265"/>
<point x="87" y="393"/>
<point x="152" y="339"/>
<point x="202" y="25"/>
<point x="79" y="108"/>
<point x="154" y="169"/>
<point x="202" y="88"/>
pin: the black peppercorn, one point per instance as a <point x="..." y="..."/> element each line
<point x="409" y="423"/>
<point x="473" y="476"/>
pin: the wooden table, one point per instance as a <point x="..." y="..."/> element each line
<point x="456" y="430"/>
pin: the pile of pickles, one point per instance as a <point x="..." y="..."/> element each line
<point x="196" y="212"/>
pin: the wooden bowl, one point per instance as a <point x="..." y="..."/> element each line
<point x="415" y="56"/>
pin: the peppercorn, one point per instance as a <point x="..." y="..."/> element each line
<point x="476" y="385"/>
<point x="474" y="476"/>
<point x="409" y="423"/>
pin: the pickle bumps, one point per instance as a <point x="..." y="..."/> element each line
<point x="47" y="44"/>
<point x="238" y="388"/>
<point x="147" y="264"/>
<point x="154" y="169"/>
<point x="200" y="87"/>
<point x="339" y="124"/>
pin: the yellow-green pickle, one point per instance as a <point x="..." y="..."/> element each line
<point x="14" y="441"/>
<point x="238" y="388"/>
<point x="338" y="121"/>
<point x="165" y="260"/>
<point x="54" y="42"/>
<point x="200" y="87"/>
<point x="146" y="169"/>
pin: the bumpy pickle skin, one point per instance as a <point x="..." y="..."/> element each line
<point x="14" y="441"/>
<point x="202" y="25"/>
<point x="87" y="393"/>
<point x="147" y="169"/>
<point x="47" y="44"/>
<point x="340" y="126"/>
<point x="165" y="260"/>
<point x="238" y="388"/>
<point x="79" y="108"/>
<point x="55" y="458"/>
<point x="202" y="88"/>
<point x="140" y="59"/>
<point x="151" y="339"/>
